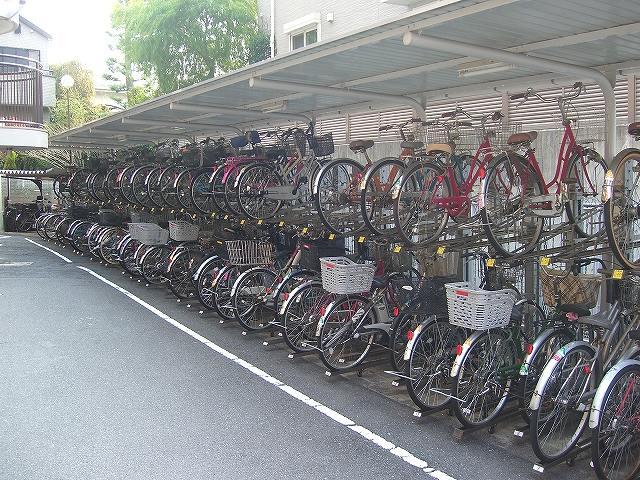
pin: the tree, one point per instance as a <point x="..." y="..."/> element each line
<point x="80" y="98"/>
<point x="178" y="43"/>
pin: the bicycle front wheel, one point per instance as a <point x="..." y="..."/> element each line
<point x="510" y="227"/>
<point x="253" y="191"/>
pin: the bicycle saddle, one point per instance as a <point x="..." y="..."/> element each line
<point x="361" y="145"/>
<point x="576" y="308"/>
<point x="634" y="129"/>
<point x="604" y="320"/>
<point x="524" y="137"/>
<point x="412" y="145"/>
<point x="439" y="148"/>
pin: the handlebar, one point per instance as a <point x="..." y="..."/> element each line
<point x="578" y="88"/>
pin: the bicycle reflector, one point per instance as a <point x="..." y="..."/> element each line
<point x="410" y="335"/>
<point x="459" y="349"/>
<point x="285" y="295"/>
<point x="396" y="311"/>
<point x="322" y="310"/>
<point x="587" y="369"/>
<point x="529" y="348"/>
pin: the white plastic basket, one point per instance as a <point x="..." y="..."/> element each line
<point x="250" y="252"/>
<point x="477" y="309"/>
<point x="342" y="276"/>
<point x="149" y="233"/>
<point x="182" y="231"/>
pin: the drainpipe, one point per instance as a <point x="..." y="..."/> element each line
<point x="470" y="50"/>
<point x="272" y="21"/>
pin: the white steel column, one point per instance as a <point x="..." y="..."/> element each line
<point x="632" y="100"/>
<point x="476" y="51"/>
<point x="339" y="92"/>
<point x="1" y="204"/>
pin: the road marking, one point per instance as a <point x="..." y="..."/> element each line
<point x="328" y="412"/>
<point x="15" y="264"/>
<point x="4" y="236"/>
<point x="49" y="250"/>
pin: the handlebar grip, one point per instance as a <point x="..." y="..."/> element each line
<point x="518" y="96"/>
<point x="465" y="124"/>
<point x="578" y="85"/>
<point x="385" y="128"/>
<point x="449" y="114"/>
<point x="416" y="120"/>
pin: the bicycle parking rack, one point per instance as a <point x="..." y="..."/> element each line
<point x="569" y="458"/>
<point x="460" y="432"/>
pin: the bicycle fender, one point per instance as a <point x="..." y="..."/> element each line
<point x="537" y="344"/>
<point x="295" y="291"/>
<point x="616" y="160"/>
<point x="204" y="265"/>
<point x="598" y="400"/>
<point x="551" y="364"/>
<point x="466" y="346"/>
<point x="240" y="173"/>
<point x="221" y="274"/>
<point x="416" y="333"/>
<point x="321" y="170"/>
<point x="243" y="275"/>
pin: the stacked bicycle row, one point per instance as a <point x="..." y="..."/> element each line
<point x="456" y="177"/>
<point x="572" y="375"/>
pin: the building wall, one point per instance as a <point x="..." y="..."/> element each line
<point x="349" y="15"/>
<point x="29" y="39"/>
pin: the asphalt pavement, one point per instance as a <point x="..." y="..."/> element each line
<point x="104" y="378"/>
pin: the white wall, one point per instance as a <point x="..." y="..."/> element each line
<point x="349" y="15"/>
<point x="29" y="39"/>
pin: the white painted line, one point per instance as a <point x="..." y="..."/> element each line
<point x="49" y="250"/>
<point x="16" y="264"/>
<point x="328" y="412"/>
<point x="4" y="236"/>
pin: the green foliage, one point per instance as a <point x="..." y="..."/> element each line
<point x="77" y="100"/>
<point x="23" y="161"/>
<point x="178" y="43"/>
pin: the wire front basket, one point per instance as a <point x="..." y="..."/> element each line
<point x="561" y="287"/>
<point x="323" y="145"/>
<point x="588" y="130"/>
<point x="460" y="138"/>
<point x="296" y="142"/>
<point x="498" y="133"/>
<point x="250" y="252"/>
<point x="630" y="293"/>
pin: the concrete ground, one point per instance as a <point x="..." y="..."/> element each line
<point x="126" y="383"/>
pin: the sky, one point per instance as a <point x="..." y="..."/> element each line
<point x="79" y="30"/>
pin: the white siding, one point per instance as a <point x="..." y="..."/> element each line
<point x="28" y="39"/>
<point x="348" y="15"/>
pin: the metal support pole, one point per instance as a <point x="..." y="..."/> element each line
<point x="190" y="127"/>
<point x="215" y="109"/>
<point x="476" y="51"/>
<point x="339" y="92"/>
<point x="1" y="205"/>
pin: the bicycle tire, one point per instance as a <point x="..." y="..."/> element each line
<point x="374" y="203"/>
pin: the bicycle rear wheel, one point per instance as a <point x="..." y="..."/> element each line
<point x="481" y="386"/>
<point x="337" y="196"/>
<point x="253" y="191"/>
<point x="561" y="416"/>
<point x="429" y="363"/>
<point x="420" y="217"/>
<point x="251" y="299"/>
<point x="615" y="442"/>
<point x="622" y="211"/>
<point x="510" y="227"/>
<point x="343" y="339"/>
<point x="376" y="199"/>
<point x="301" y="314"/>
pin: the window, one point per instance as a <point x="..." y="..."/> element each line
<point x="304" y="38"/>
<point x="8" y="55"/>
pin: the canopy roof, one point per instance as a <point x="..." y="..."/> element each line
<point x="367" y="62"/>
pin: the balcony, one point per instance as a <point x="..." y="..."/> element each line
<point x="21" y="104"/>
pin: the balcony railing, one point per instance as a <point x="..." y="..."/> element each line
<point x="20" y="92"/>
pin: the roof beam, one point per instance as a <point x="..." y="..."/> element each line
<point x="116" y="133"/>
<point x="213" y="110"/>
<point x="191" y="127"/>
<point x="477" y="51"/>
<point x="339" y="92"/>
